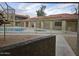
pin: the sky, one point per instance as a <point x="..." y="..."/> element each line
<point x="51" y="8"/>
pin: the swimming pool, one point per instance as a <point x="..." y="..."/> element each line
<point x="12" y="29"/>
<point x="26" y="31"/>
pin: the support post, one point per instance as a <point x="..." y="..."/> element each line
<point x="42" y="24"/>
<point x="24" y="24"/>
<point x="35" y="25"/>
<point x="63" y="26"/>
<point x="29" y="24"/>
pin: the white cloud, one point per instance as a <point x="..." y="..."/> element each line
<point x="30" y="8"/>
<point x="59" y="6"/>
<point x="22" y="6"/>
<point x="59" y="9"/>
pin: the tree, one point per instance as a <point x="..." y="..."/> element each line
<point x="41" y="12"/>
<point x="76" y="10"/>
<point x="1" y="19"/>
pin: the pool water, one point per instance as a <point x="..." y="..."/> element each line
<point x="23" y="30"/>
<point x="14" y="29"/>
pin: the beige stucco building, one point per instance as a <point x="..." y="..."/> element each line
<point x="64" y="22"/>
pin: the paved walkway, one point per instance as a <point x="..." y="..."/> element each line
<point x="62" y="47"/>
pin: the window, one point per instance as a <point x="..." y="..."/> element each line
<point x="58" y="23"/>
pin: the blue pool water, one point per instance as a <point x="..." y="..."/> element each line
<point x="14" y="29"/>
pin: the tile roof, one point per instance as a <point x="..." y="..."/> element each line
<point x="68" y="17"/>
<point x="24" y="16"/>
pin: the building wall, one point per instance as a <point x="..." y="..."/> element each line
<point x="38" y="24"/>
<point x="27" y="24"/>
<point x="57" y="25"/>
<point x="46" y="24"/>
<point x="21" y="24"/>
<point x="10" y="24"/>
<point x="71" y="26"/>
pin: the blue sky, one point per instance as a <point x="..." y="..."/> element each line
<point x="51" y="8"/>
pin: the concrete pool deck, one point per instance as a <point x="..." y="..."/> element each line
<point x="36" y="45"/>
<point x="13" y="39"/>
